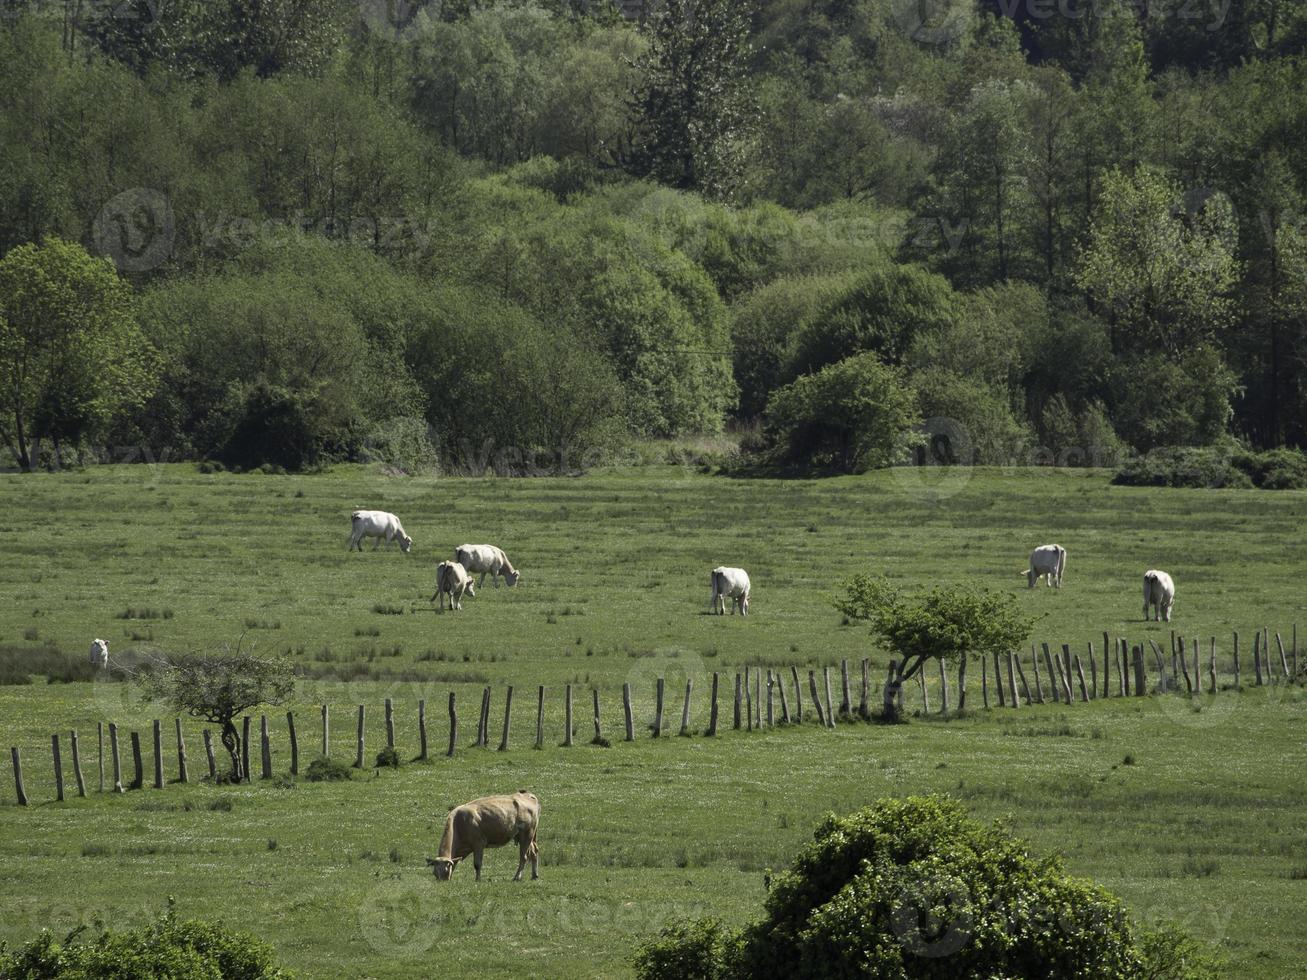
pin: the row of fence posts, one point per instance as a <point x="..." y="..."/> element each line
<point x="1065" y="673"/>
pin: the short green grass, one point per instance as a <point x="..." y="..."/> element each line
<point x="1201" y="827"/>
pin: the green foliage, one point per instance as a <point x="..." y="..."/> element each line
<point x="944" y="623"/>
<point x="852" y="416"/>
<point x="185" y="949"/>
<point x="327" y="770"/>
<point x="907" y="887"/>
<point x="388" y="758"/>
<point x="987" y="432"/>
<point x="1164" y="402"/>
<point x="1214" y="468"/>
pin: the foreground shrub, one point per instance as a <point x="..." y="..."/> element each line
<point x="326" y="770"/>
<point x="915" y="888"/>
<point x="169" y="947"/>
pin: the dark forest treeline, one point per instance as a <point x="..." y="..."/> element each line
<point x="1073" y="229"/>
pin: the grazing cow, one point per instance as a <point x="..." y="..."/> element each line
<point x="1049" y="562"/>
<point x="452" y="580"/>
<point x="488" y="560"/>
<point x="733" y="584"/>
<point x="99" y="656"/>
<point x="490" y="822"/>
<point x="1159" y="594"/>
<point x="380" y="525"/>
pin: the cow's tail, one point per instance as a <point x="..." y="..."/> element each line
<point x="1061" y="562"/>
<point x="714" y="583"/>
<point x="459" y="556"/>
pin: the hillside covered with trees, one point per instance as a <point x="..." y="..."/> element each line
<point x="412" y="231"/>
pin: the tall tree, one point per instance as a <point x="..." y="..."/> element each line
<point x="694" y="106"/>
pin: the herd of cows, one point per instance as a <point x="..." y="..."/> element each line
<point x="1049" y="563"/>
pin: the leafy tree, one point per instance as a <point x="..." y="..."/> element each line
<point x="71" y="353"/>
<point x="219" y="689"/>
<point x="852" y="416"/>
<point x="693" y="106"/>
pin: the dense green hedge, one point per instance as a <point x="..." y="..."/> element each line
<point x="1213" y="468"/>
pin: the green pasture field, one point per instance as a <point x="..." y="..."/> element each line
<point x="1202" y="827"/>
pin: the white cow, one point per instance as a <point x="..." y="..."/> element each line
<point x="488" y="560"/>
<point x="733" y="584"/>
<point x="1049" y="562"/>
<point x="452" y="580"/>
<point x="380" y="525"/>
<point x="99" y="655"/>
<point x="1159" y="594"/>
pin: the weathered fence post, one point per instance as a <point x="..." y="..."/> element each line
<point x="483" y="725"/>
<point x="685" y="708"/>
<point x="1184" y="667"/>
<point x="798" y="695"/>
<point x="208" y="752"/>
<point x="658" y="708"/>
<point x="1257" y="656"/>
<point x="816" y="698"/>
<point x="18" y="776"/>
<point x="266" y="746"/>
<point x="943" y="687"/>
<point x="58" y="768"/>
<point x="508" y="716"/>
<point x="1052" y="674"/>
<point x="1177" y="660"/>
<point x="599" y="732"/>
<point x="962" y="684"/>
<point x="77" y="764"/>
<point x="138" y="780"/>
<point x="737" y="702"/>
<point x="540" y="712"/>
<point x="1064" y="666"/>
<point x="1236" y="660"/>
<point x="1080" y="675"/>
<point x="998" y="681"/>
<point x="1161" y="664"/>
<point x="1011" y="682"/>
<point x="771" y="718"/>
<point x="757" y="698"/>
<point x="245" y="749"/>
<point x="326" y="742"/>
<point x="157" y="731"/>
<point x="453" y="725"/>
<point x="748" y="699"/>
<point x="785" y="701"/>
<point x="712" y="710"/>
<point x="1025" y="686"/>
<point x="830" y="708"/>
<point x="1295" y="652"/>
<point x="984" y="681"/>
<point x="1093" y="673"/>
<point x="1039" y="684"/>
<point x="358" y="741"/>
<point x="183" y="773"/>
<point x="1266" y="654"/>
<point x="1211" y="668"/>
<point x="390" y="723"/>
<point x="846" y="700"/>
<point x="626" y="709"/>
<point x="863" y="710"/>
<point x="99" y="753"/>
<point x="1141" y="678"/>
<point x="567" y="720"/>
<point x="117" y="765"/>
<point x="1284" y="661"/>
<point x="423" y="753"/>
<point x="925" y="698"/>
<point x="1107" y="664"/>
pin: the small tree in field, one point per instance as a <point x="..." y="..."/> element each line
<point x="943" y="624"/>
<point x="219" y="689"/>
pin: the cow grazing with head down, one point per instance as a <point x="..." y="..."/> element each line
<point x="490" y="822"/>
<point x="1048" y="562"/>
<point x="1159" y="594"/>
<point x="452" y="580"/>
<point x="486" y="559"/>
<point x="733" y="584"/>
<point x="99" y="656"/>
<point x="380" y="525"/>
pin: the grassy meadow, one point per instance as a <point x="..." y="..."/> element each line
<point x="1190" y="811"/>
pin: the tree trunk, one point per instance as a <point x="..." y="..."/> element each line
<point x="231" y="741"/>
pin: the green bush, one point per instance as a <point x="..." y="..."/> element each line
<point x="1279" y="469"/>
<point x="169" y="947"/>
<point x="388" y="758"/>
<point x="915" y="888"/>
<point x="326" y="770"/>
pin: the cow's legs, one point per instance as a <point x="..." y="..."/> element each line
<point x="523" y="850"/>
<point x="476" y="861"/>
<point x="482" y="583"/>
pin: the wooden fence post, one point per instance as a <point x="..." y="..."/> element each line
<point x="483" y="726"/>
<point x="99" y="754"/>
<point x="785" y="701"/>
<point x="1025" y="686"/>
<point x="748" y="699"/>
<point x="1284" y="661"/>
<point x="157" y="731"/>
<point x="1093" y="673"/>
<point x="798" y="695"/>
<point x="453" y="726"/>
<point x="1211" y="668"/>
<point x="540" y="712"/>
<point x="1039" y="684"/>
<point x="423" y="754"/>
<point x="998" y="681"/>
<point x="1080" y="675"/>
<point x="18" y="776"/>
<point x="1184" y="666"/>
<point x="1066" y="673"/>
<point x="984" y="681"/>
<point x="757" y="698"/>
<point x="390" y="723"/>
<point x="925" y="698"/>
<point x="685" y="708"/>
<point x="599" y="733"/>
<point x="962" y="685"/>
<point x="626" y="710"/>
<point x="1052" y="674"/>
<point x="816" y="699"/>
<point x="1122" y="669"/>
<point x="658" y="708"/>
<point x="771" y="718"/>
<point x="863" y="708"/>
<point x="508" y="716"/>
<point x="1107" y="664"/>
<point x="1295" y="651"/>
<point x="1012" y="682"/>
<point x="183" y="773"/>
<point x="943" y="687"/>
<point x="712" y="711"/>
<point x="1177" y="660"/>
<point x="358" y="743"/>
<point x="846" y="701"/>
<point x="737" y="701"/>
<point x="77" y="764"/>
<point x="208" y="752"/>
<point x="1161" y="664"/>
<point x="1257" y="656"/>
<point x="1266" y="654"/>
<point x="117" y="764"/>
<point x="58" y="768"/>
<point x="266" y="746"/>
<point x="830" y="708"/>
<point x="326" y="743"/>
<point x="567" y="719"/>
<point x="138" y="780"/>
<point x="245" y="749"/>
<point x="1141" y="678"/>
<point x="1236" y="660"/>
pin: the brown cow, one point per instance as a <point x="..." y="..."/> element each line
<point x="492" y="821"/>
